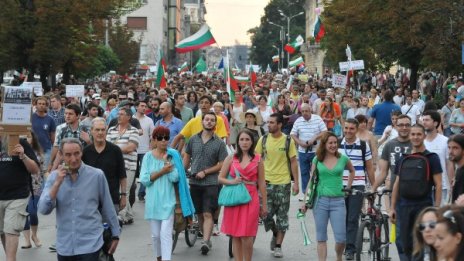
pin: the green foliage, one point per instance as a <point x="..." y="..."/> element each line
<point x="104" y="61"/>
<point x="123" y="45"/>
<point x="266" y="35"/>
<point x="415" y="34"/>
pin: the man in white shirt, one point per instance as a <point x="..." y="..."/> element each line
<point x="306" y="130"/>
<point x="318" y="102"/>
<point x="438" y="143"/>
<point x="399" y="97"/>
<point x="411" y="110"/>
<point x="417" y="101"/>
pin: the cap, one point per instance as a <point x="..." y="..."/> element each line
<point x="96" y="96"/>
<point x="124" y="103"/>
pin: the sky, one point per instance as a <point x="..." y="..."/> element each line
<point x="231" y="19"/>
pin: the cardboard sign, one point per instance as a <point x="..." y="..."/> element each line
<point x="338" y="80"/>
<point x="353" y="65"/>
<point x="74" y="90"/>
<point x="17" y="105"/>
<point x="36" y="87"/>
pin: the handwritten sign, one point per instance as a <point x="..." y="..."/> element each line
<point x="339" y="80"/>
<point x="353" y="65"/>
<point x="17" y="105"/>
<point x="74" y="90"/>
<point x="36" y="87"/>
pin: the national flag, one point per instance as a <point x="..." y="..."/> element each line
<point x="268" y="69"/>
<point x="231" y="83"/>
<point x="295" y="45"/>
<point x="242" y="79"/>
<point x="275" y="59"/>
<point x="200" y="66"/>
<point x="253" y="77"/>
<point x="183" y="67"/>
<point x="296" y="62"/>
<point x="319" y="29"/>
<point x="160" y="77"/>
<point x="301" y="68"/>
<point x="200" y="39"/>
<point x="221" y="64"/>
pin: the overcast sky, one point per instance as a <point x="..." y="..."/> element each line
<point x="230" y="19"/>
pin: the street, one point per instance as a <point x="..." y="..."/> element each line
<point x="136" y="244"/>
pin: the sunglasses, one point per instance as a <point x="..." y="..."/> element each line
<point x="160" y="138"/>
<point x="430" y="224"/>
<point x="450" y="216"/>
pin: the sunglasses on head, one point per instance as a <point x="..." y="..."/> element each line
<point x="430" y="224"/>
<point x="450" y="216"/>
<point x="160" y="138"/>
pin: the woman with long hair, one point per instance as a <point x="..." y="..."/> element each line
<point x="329" y="114"/>
<point x="424" y="236"/>
<point x="264" y="110"/>
<point x="192" y="101"/>
<point x="238" y="107"/>
<point x="449" y="242"/>
<point x="283" y="108"/>
<point x="32" y="221"/>
<point x="241" y="222"/>
<point x="355" y="109"/>
<point x="330" y="201"/>
<point x="158" y="174"/>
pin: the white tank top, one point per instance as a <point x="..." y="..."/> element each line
<point x="236" y="111"/>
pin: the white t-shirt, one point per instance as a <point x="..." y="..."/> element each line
<point x="265" y="115"/>
<point x="413" y="112"/>
<point x="419" y="103"/>
<point x="144" y="141"/>
<point x="440" y="146"/>
<point x="398" y="100"/>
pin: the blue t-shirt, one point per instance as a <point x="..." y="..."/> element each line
<point x="42" y="127"/>
<point x="382" y="115"/>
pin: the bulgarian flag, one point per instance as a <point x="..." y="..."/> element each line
<point x="184" y="67"/>
<point x="295" y="45"/>
<point x="231" y="83"/>
<point x="319" y="30"/>
<point x="253" y="77"/>
<point x="160" y="78"/>
<point x="298" y="61"/>
<point x="242" y="79"/>
<point x="200" y="39"/>
<point x="275" y="58"/>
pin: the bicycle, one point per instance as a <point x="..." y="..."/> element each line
<point x="191" y="230"/>
<point x="372" y="239"/>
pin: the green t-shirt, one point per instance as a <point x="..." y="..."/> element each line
<point x="331" y="180"/>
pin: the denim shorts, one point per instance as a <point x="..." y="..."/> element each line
<point x="333" y="209"/>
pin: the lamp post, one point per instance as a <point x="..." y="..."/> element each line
<point x="288" y="27"/>
<point x="281" y="35"/>
<point x="278" y="54"/>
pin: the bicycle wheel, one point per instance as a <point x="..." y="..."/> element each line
<point x="191" y="232"/>
<point x="364" y="240"/>
<point x="175" y="236"/>
<point x="231" y="253"/>
<point x="383" y="240"/>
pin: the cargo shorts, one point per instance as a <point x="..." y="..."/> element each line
<point x="13" y="216"/>
<point x="278" y="204"/>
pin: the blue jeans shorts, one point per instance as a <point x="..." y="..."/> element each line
<point x="333" y="209"/>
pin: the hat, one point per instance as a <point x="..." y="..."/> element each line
<point x="124" y="103"/>
<point x="259" y="120"/>
<point x="96" y="96"/>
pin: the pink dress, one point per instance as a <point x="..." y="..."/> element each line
<point x="242" y="220"/>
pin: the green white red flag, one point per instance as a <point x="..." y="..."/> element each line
<point x="296" y="62"/>
<point x="183" y="67"/>
<point x="160" y="76"/>
<point x="231" y="83"/>
<point x="291" y="48"/>
<point x="319" y="29"/>
<point x="200" y="39"/>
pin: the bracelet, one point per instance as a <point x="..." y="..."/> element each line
<point x="123" y="194"/>
<point x="24" y="157"/>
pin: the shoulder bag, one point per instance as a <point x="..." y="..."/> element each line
<point x="234" y="195"/>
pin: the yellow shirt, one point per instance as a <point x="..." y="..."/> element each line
<point x="275" y="162"/>
<point x="194" y="126"/>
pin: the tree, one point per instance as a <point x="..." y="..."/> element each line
<point x="266" y="35"/>
<point x="123" y="45"/>
<point x="412" y="34"/>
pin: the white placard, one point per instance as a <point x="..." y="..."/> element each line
<point x="17" y="105"/>
<point x="36" y="87"/>
<point x="74" y="90"/>
<point x="355" y="65"/>
<point x="339" y="80"/>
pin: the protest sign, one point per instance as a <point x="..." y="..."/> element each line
<point x="74" y="90"/>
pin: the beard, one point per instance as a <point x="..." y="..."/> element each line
<point x="156" y="110"/>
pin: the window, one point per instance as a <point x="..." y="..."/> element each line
<point x="137" y="23"/>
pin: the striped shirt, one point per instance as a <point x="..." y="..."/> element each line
<point x="307" y="129"/>
<point x="130" y="135"/>
<point x="58" y="116"/>
<point x="353" y="151"/>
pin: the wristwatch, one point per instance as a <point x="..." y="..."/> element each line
<point x="123" y="194"/>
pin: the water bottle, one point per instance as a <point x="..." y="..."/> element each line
<point x="393" y="233"/>
<point x="301" y="217"/>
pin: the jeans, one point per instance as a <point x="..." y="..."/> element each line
<point x="305" y="160"/>
<point x="32" y="219"/>
<point x="330" y="208"/>
<point x="84" y="257"/>
<point x="447" y="132"/>
<point x="353" y="210"/>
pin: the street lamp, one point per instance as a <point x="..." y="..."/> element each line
<point x="288" y="27"/>
<point x="282" y="32"/>
<point x="278" y="54"/>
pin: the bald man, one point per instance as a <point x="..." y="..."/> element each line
<point x="174" y="124"/>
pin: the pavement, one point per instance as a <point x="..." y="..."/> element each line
<point x="136" y="244"/>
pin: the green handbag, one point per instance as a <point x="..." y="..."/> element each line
<point x="312" y="189"/>
<point x="234" y="195"/>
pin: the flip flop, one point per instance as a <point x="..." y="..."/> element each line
<point x="26" y="247"/>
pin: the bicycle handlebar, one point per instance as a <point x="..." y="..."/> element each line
<point x="380" y="192"/>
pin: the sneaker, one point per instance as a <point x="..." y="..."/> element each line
<point x="278" y="252"/>
<point x="199" y="234"/>
<point x="52" y="248"/>
<point x="216" y="231"/>
<point x="349" y="256"/>
<point x="205" y="248"/>
<point x="273" y="242"/>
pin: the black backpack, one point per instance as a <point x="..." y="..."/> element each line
<point x="414" y="176"/>
<point x="363" y="144"/>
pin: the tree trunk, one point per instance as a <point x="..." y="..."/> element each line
<point x="66" y="72"/>
<point x="413" y="78"/>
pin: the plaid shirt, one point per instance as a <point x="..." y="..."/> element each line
<point x="64" y="131"/>
<point x="58" y="116"/>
